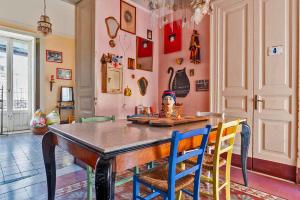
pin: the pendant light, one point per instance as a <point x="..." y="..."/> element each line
<point x="44" y="25"/>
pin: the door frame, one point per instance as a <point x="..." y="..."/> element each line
<point x="12" y="114"/>
<point x="38" y="62"/>
<point x="298" y="100"/>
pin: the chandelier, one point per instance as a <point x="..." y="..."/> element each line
<point x="193" y="9"/>
<point x="44" y="25"/>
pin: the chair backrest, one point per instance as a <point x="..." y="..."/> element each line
<point x="174" y="159"/>
<point x="212" y="114"/>
<point x="98" y="119"/>
<point x="225" y="135"/>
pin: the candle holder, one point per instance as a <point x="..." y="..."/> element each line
<point x="52" y="81"/>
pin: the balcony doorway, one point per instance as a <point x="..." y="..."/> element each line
<point x="16" y="80"/>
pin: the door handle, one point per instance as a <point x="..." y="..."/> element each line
<point x="256" y="101"/>
<point x="8" y="90"/>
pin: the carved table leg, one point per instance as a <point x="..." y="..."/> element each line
<point x="105" y="179"/>
<point x="49" y="161"/>
<point x="245" y="135"/>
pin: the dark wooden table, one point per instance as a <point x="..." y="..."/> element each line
<point x="112" y="147"/>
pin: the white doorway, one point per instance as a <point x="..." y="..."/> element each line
<point x="16" y="77"/>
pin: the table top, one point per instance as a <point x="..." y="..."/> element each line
<point x="121" y="135"/>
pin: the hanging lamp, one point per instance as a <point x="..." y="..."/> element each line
<point x="44" y="25"/>
<point x="164" y="8"/>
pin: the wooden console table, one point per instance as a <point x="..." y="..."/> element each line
<point x="112" y="147"/>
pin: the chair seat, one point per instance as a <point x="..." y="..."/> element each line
<point x="158" y="178"/>
<point x="208" y="161"/>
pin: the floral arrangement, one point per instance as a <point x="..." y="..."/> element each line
<point x="39" y="120"/>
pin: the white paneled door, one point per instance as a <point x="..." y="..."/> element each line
<point x="16" y="79"/>
<point x="233" y="72"/>
<point x="275" y="85"/>
<point x="254" y="76"/>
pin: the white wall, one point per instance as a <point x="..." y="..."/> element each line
<point x="27" y="12"/>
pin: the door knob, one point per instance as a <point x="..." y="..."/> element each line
<point x="256" y="101"/>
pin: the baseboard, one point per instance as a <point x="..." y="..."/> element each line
<point x="298" y="176"/>
<point x="236" y="161"/>
<point x="275" y="169"/>
<point x="279" y="170"/>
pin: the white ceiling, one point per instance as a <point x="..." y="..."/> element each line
<point x="26" y="13"/>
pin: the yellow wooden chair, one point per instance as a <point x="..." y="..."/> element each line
<point x="224" y="144"/>
<point x="223" y="140"/>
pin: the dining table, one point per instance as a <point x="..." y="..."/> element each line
<point x="116" y="146"/>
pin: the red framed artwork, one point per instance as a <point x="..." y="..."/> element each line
<point x="145" y="47"/>
<point x="54" y="56"/>
<point x="63" y="74"/>
<point x="173" y="37"/>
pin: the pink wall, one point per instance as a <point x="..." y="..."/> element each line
<point x="195" y="101"/>
<point x="113" y="104"/>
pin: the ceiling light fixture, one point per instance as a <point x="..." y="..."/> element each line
<point x="44" y="25"/>
<point x="196" y="9"/>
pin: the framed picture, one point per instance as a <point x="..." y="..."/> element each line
<point x="54" y="56"/>
<point x="63" y="74"/>
<point x="144" y="54"/>
<point x="131" y="63"/>
<point x="202" y="85"/>
<point x="127" y="17"/>
<point x="173" y="37"/>
<point x="149" y="34"/>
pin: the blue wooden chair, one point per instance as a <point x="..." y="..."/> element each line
<point x="168" y="180"/>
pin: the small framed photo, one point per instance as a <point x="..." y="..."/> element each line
<point x="54" y="56"/>
<point x="202" y="85"/>
<point x="63" y="74"/>
<point x="149" y="34"/>
<point x="131" y="63"/>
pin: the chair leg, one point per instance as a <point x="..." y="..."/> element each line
<point x="216" y="177"/>
<point x="227" y="174"/>
<point x="136" y="188"/>
<point x="227" y="180"/>
<point x="89" y="173"/>
<point x="179" y="195"/>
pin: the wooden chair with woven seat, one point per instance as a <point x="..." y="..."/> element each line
<point x="167" y="180"/>
<point x="225" y="134"/>
<point x="89" y="169"/>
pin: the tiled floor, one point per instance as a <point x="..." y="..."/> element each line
<point x="22" y="175"/>
<point x="21" y="157"/>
